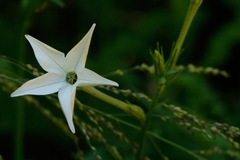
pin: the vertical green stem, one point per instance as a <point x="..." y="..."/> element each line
<point x="19" y="131"/>
<point x="192" y="10"/>
<point x="148" y="120"/>
<point x="19" y="124"/>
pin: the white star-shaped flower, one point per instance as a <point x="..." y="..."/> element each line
<point x="65" y="74"/>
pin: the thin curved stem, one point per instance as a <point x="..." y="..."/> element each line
<point x="139" y="128"/>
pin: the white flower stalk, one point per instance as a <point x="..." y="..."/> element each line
<point x="64" y="74"/>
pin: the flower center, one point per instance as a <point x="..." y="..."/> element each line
<point x="71" y="78"/>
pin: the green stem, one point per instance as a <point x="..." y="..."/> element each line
<point x="192" y="10"/>
<point x="19" y="128"/>
<point x="138" y="128"/>
<point x="19" y="124"/>
<point x="176" y="146"/>
<point x="132" y="109"/>
<point x="148" y="121"/>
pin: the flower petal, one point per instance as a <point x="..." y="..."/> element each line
<point x="77" y="56"/>
<point x="66" y="96"/>
<point x="50" y="59"/>
<point x="87" y="77"/>
<point x="43" y="85"/>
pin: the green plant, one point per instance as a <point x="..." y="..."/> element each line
<point x="136" y="128"/>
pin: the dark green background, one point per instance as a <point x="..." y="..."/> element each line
<point x="125" y="32"/>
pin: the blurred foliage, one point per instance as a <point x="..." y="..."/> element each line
<point x="125" y="32"/>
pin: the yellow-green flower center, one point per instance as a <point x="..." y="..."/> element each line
<point x="71" y="78"/>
